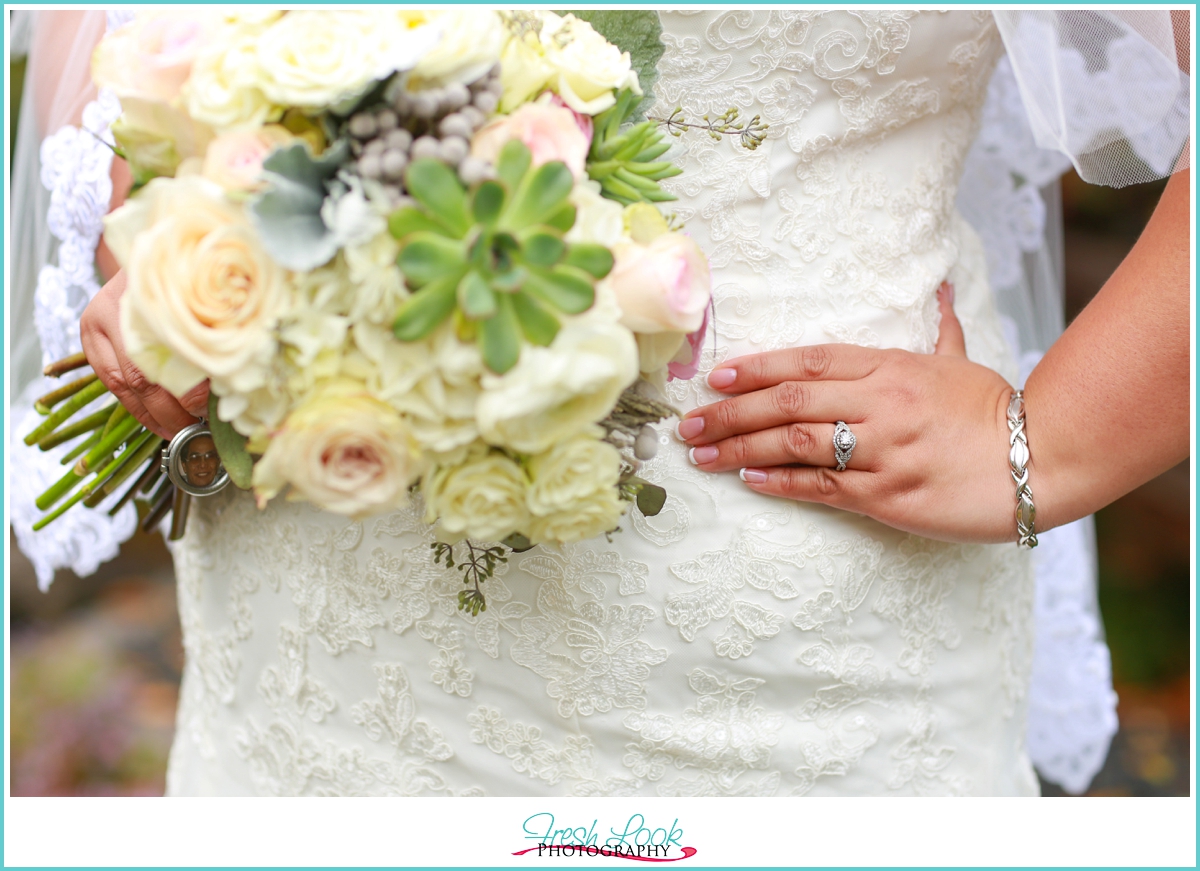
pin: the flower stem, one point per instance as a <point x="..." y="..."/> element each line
<point x="65" y="365"/>
<point x="120" y="469"/>
<point x="97" y="456"/>
<point x="89" y="393"/>
<point x="81" y="448"/>
<point x="54" y="397"/>
<point x="86" y="491"/>
<point x="87" y="424"/>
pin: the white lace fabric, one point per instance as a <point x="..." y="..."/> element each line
<point x="735" y="644"/>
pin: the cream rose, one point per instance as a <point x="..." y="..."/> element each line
<point x="556" y="392"/>
<point x="550" y="132"/>
<point x="594" y="514"/>
<point x="234" y="159"/>
<point x="314" y="59"/>
<point x="483" y="497"/>
<point x="586" y="66"/>
<point x="570" y="472"/>
<point x="343" y="451"/>
<point x="469" y="42"/>
<point x="223" y="91"/>
<point x="663" y="286"/>
<point x="203" y="296"/>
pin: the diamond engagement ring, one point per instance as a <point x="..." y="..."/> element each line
<point x="843" y="444"/>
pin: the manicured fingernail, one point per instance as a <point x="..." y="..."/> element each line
<point x="753" y="476"/>
<point x="703" y="455"/>
<point x="689" y="429"/>
<point x="721" y="378"/>
<point x="948" y="289"/>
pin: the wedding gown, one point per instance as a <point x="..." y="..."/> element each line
<point x="735" y="644"/>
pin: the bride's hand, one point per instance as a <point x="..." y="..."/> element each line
<point x="155" y="408"/>
<point x="932" y="435"/>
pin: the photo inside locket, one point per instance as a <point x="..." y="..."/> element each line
<point x="200" y="464"/>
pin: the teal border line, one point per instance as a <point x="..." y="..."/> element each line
<point x="4" y="81"/>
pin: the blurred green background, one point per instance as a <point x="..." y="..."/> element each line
<point x="96" y="662"/>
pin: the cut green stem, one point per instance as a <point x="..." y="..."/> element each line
<point x="65" y="365"/>
<point x="83" y="493"/>
<point x="89" y="393"/>
<point x="121" y="468"/>
<point x="45" y="404"/>
<point x="68" y="432"/>
<point x="82" y="448"/>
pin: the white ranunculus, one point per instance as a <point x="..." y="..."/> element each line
<point x="315" y="59"/>
<point x="379" y="285"/>
<point x="342" y="450"/>
<point x="482" y="497"/>
<point x="203" y="296"/>
<point x="469" y="42"/>
<point x="557" y="392"/>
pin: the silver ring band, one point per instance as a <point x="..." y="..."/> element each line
<point x="843" y="444"/>
<point x="1018" y="459"/>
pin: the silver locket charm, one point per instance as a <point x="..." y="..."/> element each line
<point x="192" y="463"/>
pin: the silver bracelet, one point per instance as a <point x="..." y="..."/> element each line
<point x="1018" y="458"/>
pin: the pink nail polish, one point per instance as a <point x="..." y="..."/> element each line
<point x="690" y="428"/>
<point x="753" y="476"/>
<point x="703" y="455"/>
<point x="719" y="379"/>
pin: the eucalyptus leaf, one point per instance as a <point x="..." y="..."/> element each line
<point x="231" y="447"/>
<point x="650" y="499"/>
<point x="517" y="543"/>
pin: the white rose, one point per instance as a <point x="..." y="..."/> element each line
<point x="314" y="59"/>
<point x="556" y="392"/>
<point x="587" y="67"/>
<point x="483" y="497"/>
<point x="203" y="296"/>
<point x="571" y="471"/>
<point x="469" y="42"/>
<point x="223" y="91"/>
<point x="343" y="451"/>
<point x="597" y="513"/>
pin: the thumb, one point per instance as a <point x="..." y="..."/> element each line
<point x="950" y="334"/>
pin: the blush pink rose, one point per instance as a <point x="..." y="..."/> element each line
<point x="550" y="132"/>
<point x="234" y="160"/>
<point x="151" y="57"/>
<point x="663" y="286"/>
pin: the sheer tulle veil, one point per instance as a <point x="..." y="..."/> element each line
<point x="1098" y="90"/>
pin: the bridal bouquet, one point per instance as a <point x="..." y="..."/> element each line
<point x="407" y="250"/>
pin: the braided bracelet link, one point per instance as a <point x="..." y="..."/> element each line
<point x="1018" y="458"/>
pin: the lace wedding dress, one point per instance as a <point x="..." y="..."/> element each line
<point x="735" y="644"/>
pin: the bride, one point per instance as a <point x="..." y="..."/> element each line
<point x="781" y="628"/>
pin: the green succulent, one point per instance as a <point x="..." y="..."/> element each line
<point x="494" y="256"/>
<point x="625" y="162"/>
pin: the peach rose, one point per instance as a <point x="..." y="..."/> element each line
<point x="151" y="57"/>
<point x="342" y="450"/>
<point x="551" y="133"/>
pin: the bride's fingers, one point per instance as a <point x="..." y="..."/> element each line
<point x="848" y="490"/>
<point x="810" y="363"/>
<point x="950" y="335"/>
<point x="809" y="444"/>
<point x="780" y="405"/>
